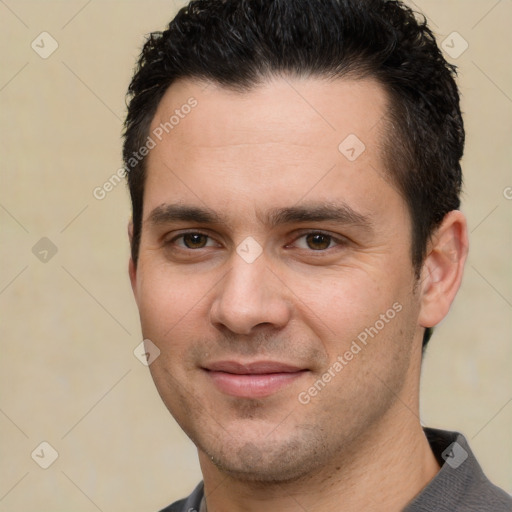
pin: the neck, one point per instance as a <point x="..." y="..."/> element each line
<point x="381" y="470"/>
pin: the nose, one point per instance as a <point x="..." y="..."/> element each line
<point x="250" y="296"/>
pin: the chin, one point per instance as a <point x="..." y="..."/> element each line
<point x="266" y="464"/>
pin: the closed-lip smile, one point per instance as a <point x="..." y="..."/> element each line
<point x="255" y="379"/>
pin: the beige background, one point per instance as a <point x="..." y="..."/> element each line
<point x="69" y="325"/>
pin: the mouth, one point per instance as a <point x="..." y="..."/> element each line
<point x="252" y="380"/>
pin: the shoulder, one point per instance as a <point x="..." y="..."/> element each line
<point x="189" y="504"/>
<point x="460" y="485"/>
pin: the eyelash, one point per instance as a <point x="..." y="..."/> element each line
<point x="338" y="241"/>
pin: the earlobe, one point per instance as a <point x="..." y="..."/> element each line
<point x="443" y="268"/>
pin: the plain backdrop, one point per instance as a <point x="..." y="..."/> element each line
<point x="68" y="374"/>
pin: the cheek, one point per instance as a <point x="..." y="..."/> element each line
<point x="173" y="307"/>
<point x="342" y="302"/>
<point x="162" y="299"/>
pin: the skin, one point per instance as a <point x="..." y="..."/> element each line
<point x="358" y="443"/>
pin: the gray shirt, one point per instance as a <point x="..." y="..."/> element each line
<point x="459" y="486"/>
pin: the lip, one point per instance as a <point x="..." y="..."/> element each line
<point x="252" y="380"/>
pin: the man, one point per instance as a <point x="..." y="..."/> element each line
<point x="294" y="174"/>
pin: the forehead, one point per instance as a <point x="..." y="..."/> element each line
<point x="292" y="109"/>
<point x="284" y="139"/>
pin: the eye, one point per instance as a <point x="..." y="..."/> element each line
<point x="192" y="241"/>
<point x="316" y="241"/>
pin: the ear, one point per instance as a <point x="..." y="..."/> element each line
<point x="443" y="268"/>
<point x="132" y="269"/>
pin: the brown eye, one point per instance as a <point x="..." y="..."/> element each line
<point x="318" y="241"/>
<point x="195" y="240"/>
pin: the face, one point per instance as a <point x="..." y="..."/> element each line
<point x="274" y="273"/>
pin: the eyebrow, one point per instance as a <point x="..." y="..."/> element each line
<point x="340" y="213"/>
<point x="167" y="213"/>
